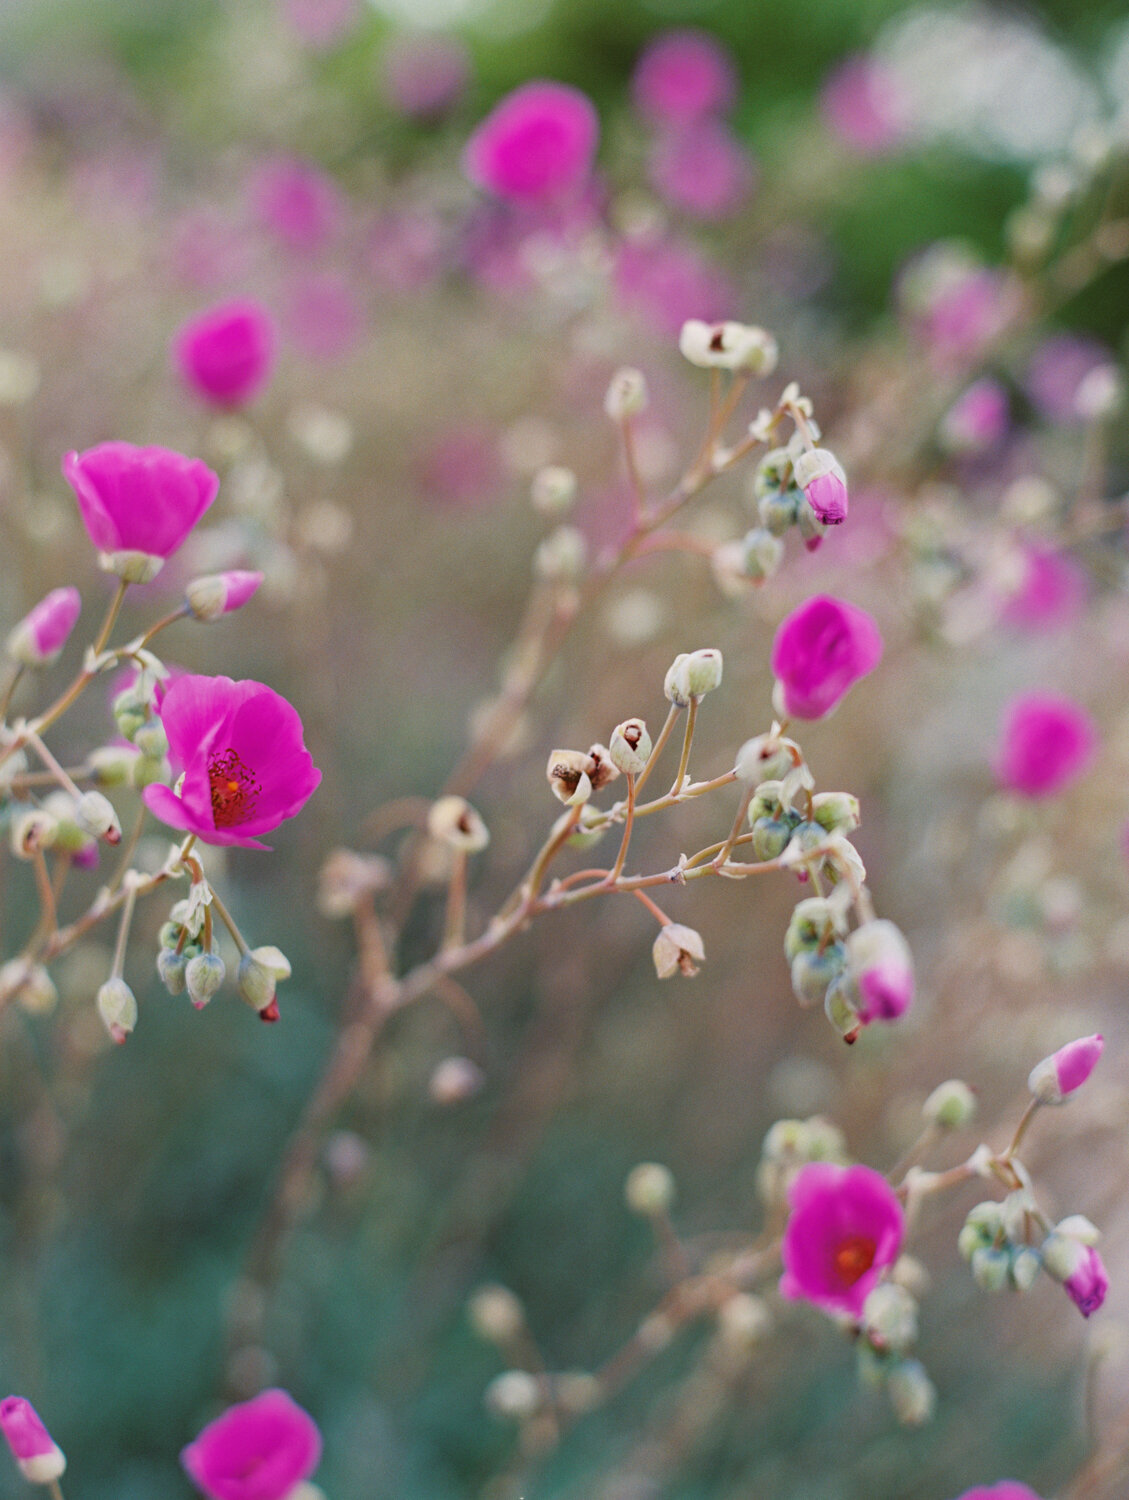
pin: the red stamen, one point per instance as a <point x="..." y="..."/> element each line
<point x="853" y="1258"/>
<point x="235" y="790"/>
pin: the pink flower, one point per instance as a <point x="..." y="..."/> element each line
<point x="321" y="23"/>
<point x="227" y="353"/>
<point x="821" y="650"/>
<point x="978" y="419"/>
<point x="1053" y="590"/>
<point x="880" y="968"/>
<point x="299" y="202"/>
<point x="702" y="169"/>
<point x="1007" y="1489"/>
<point x="683" y="76"/>
<point x="40" y="1459"/>
<point x="262" y="1449"/>
<point x="1065" y="1070"/>
<point x="323" y="315"/>
<point x="1087" y="1285"/>
<point x="537" y="145"/>
<point x="42" y="633"/>
<point x="218" y="594"/>
<point x="845" y="1229"/>
<point x="1057" y="371"/>
<point x="820" y="475"/>
<point x="864" y="107"/>
<point x="238" y="748"/>
<point x="1047" y="742"/>
<point x="425" y="76"/>
<point x="666" y="283"/>
<point x="138" y="503"/>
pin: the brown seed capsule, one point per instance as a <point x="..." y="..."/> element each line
<point x="601" y="766"/>
<point x="567" y="772"/>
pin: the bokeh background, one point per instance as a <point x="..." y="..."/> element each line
<point x="433" y="357"/>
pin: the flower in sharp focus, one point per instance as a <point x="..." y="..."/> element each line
<point x="821" y="650"/>
<point x="227" y="353"/>
<point x="40" y="1459"/>
<point x="138" y="504"/>
<point x="42" y="633"/>
<point x="845" y="1228"/>
<point x="243" y="767"/>
<point x="216" y="594"/>
<point x="820" y="475"/>
<point x="536" y="146"/>
<point x="262" y="1449"/>
<point x="1047" y="742"/>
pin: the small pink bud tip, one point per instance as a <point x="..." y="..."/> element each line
<point x="23" y="1428"/>
<point x="1066" y="1070"/>
<point x="269" y="1012"/>
<point x="118" y="1034"/>
<point x="113" y="835"/>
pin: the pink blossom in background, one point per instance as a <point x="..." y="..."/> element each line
<point x="820" y="651"/>
<point x="1006" y="1489"/>
<point x="537" y="145"/>
<point x="17" y="137"/>
<point x="324" y="316"/>
<point x="1053" y="590"/>
<point x="966" y="315"/>
<point x="1056" y="371"/>
<point x="845" y="1229"/>
<point x="262" y="1449"/>
<point x="461" y="468"/>
<point x="39" y="1457"/>
<point x="425" y="76"/>
<point x="1047" y="742"/>
<point x="666" y="282"/>
<point x="142" y="500"/>
<point x="227" y="353"/>
<point x="703" y="170"/>
<point x="683" y="76"/>
<point x="206" y="250"/>
<point x="298" y="202"/>
<point x="864" y="107"/>
<point x="1088" y="1284"/>
<point x="121" y="181"/>
<point x="245" y="767"/>
<point x="43" y="632"/>
<point x="978" y="419"/>
<point x="321" y="24"/>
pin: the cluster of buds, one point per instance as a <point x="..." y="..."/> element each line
<point x="187" y="962"/>
<point x="136" y="711"/>
<point x="790" y="1145"/>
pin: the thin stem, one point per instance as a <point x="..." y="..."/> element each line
<point x="123" y="929"/>
<point x="9" y="691"/>
<point x="738" y="821"/>
<point x="111" y="617"/>
<point x="687" y="741"/>
<point x="658" y="747"/>
<point x="57" y="771"/>
<point x="229" y="922"/>
<point x="1021" y="1129"/>
<point x="55" y="1489"/>
<point x="169" y="619"/>
<point x="129" y="848"/>
<point x="628" y="826"/>
<point x="656" y="911"/>
<point x="48" y="915"/>
<point x="631" y="461"/>
<point x="454" y="927"/>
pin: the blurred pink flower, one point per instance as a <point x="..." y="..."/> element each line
<point x="321" y="24"/>
<point x="461" y="468"/>
<point x="262" y="1449"/>
<point x="1056" y="371"/>
<point x="299" y="202"/>
<point x="40" y="1459"/>
<point x="537" y="145"/>
<point x="702" y="169"/>
<point x="1053" y="590"/>
<point x="42" y="633"/>
<point x="965" y="315"/>
<point x="143" y="500"/>
<point x="1088" y="1284"/>
<point x="683" y="76"/>
<point x="206" y="250"/>
<point x="227" y="353"/>
<point x="845" y="1228"/>
<point x="1047" y="742"/>
<point x="978" y="418"/>
<point x="324" y="316"/>
<point x="863" y="106"/>
<point x="238" y="748"/>
<point x="880" y="966"/>
<point x="425" y="76"/>
<point x="821" y="650"/>
<point x="1066" y="1070"/>
<point x="666" y="282"/>
<point x="1006" y="1489"/>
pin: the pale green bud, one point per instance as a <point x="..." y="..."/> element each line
<point x="255" y="982"/>
<point x="152" y="740"/>
<point x="30" y="986"/>
<point x="777" y="509"/>
<point x="991" y="1268"/>
<point x="773" y="474"/>
<point x="813" y="972"/>
<point x="951" y="1105"/>
<point x="117" y="1006"/>
<point x="171" y="966"/>
<point x="889" y="1315"/>
<point x="148" y="770"/>
<point x="274" y="959"/>
<point x="771" y="836"/>
<point x="553" y="490"/>
<point x="515" y="1394"/>
<point x="630" y="746"/>
<point x="203" y="977"/>
<point x="841" y="1012"/>
<point x="983" y="1227"/>
<point x="131" y="567"/>
<point x="912" y="1394"/>
<point x="95" y="813"/>
<point x="838" y="812"/>
<point x="674" y="686"/>
<point x="702" y="672"/>
<point x="649" y="1189"/>
<point x="811" y="920"/>
<point x="765" y="758"/>
<point x="589" y="830"/>
<point x="112" y="765"/>
<point x="70" y="837"/>
<point x="811" y="527"/>
<point x="1025" y="1267"/>
<point x="762" y="554"/>
<point x="496" y="1314"/>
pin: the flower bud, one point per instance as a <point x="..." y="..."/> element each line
<point x="626" y="395"/>
<point x="649" y="1189"/>
<point x="692" y="675"/>
<point x="69" y="837"/>
<point x="148" y="770"/>
<point x="218" y="594"/>
<point x="912" y="1394"/>
<point x="1025" y="1267"/>
<point x="744" y="1320"/>
<point x="496" y="1314"/>
<point x="771" y="837"/>
<point x="677" y="949"/>
<point x="990" y="1268"/>
<point x="820" y="475"/>
<point x="203" y="977"/>
<point x="131" y="566"/>
<point x="881" y="968"/>
<point x="950" y="1105"/>
<point x="273" y="959"/>
<point x="1066" y="1070"/>
<point x="810" y="527"/>
<point x="630" y="746"/>
<point x="112" y="765"/>
<point x="41" y="635"/>
<point x="455" y="822"/>
<point x="95" y="813"/>
<point x="590" y="828"/>
<point x="32" y="831"/>
<point x="346" y="878"/>
<point x="117" y="1006"/>
<point x="171" y="966"/>
<point x="29" y="985"/>
<point x="813" y="971"/>
<point x="983" y="1226"/>
<point x="1080" y="1269"/>
<point x="889" y="1316"/>
<point x="561" y="556"/>
<point x="762" y="553"/>
<point x="840" y="1011"/>
<point x="130" y="713"/>
<point x="765" y="758"/>
<point x="515" y="1394"/>
<point x="674" y="687"/>
<point x="455" y="1080"/>
<point x="553" y="490"/>
<point x="777" y="508"/>
<point x="837" y="812"/>
<point x="809" y="925"/>
<point x="151" y="740"/>
<point x="40" y="1459"/>
<point x="728" y="346"/>
<point x="256" y="983"/>
<point x="567" y="772"/>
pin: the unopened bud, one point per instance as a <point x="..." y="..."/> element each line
<point x="761" y="554"/>
<point x="553" y="490"/>
<point x="218" y="594"/>
<point x="41" y="635"/>
<point x="148" y="770"/>
<point x="455" y="1080"/>
<point x="765" y="758"/>
<point x="881" y="970"/>
<point x="112" y="765"/>
<point x="273" y="959"/>
<point x="912" y="1394"/>
<point x="813" y="921"/>
<point x="951" y="1105"/>
<point x="590" y="827"/>
<point x="692" y="675"/>
<point x="840" y="1011"/>
<point x="1057" y="1076"/>
<point x="630" y="747"/>
<point x="567" y="773"/>
<point x="990" y="1268"/>
<point x="777" y="508"/>
<point x="678" y="949"/>
<point x="455" y="822"/>
<point x="30" y="986"/>
<point x="561" y="556"/>
<point x="515" y="1394"/>
<point x="626" y="395"/>
<point x="744" y="1320"/>
<point x="256" y="983"/>
<point x="171" y="966"/>
<point x="889" y="1315"/>
<point x="838" y="812"/>
<point x="814" y="971"/>
<point x="203" y="977"/>
<point x="117" y="1006"/>
<point x="1025" y="1267"/>
<point x="151" y="740"/>
<point x="96" y="814"/>
<point x="649" y="1189"/>
<point x="496" y="1314"/>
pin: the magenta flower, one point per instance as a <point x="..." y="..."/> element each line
<point x="665" y="283"/>
<point x="1047" y="742"/>
<point x="299" y="202"/>
<point x="1065" y="1070"/>
<point x="1088" y="1283"/>
<point x="227" y="353"/>
<point x="425" y="76"/>
<point x="138" y="504"/>
<point x="262" y="1449"/>
<point x="536" y="146"/>
<point x="1057" y="371"/>
<point x="42" y="633"/>
<point x="218" y="594"/>
<point x="880" y="968"/>
<point x="1007" y="1489"/>
<point x="821" y="650"/>
<point x="845" y="1229"/>
<point x="40" y="1459"/>
<point x="1053" y="590"/>
<point x="966" y="314"/>
<point x="702" y="169"/>
<point x="863" y="106"/>
<point x="820" y="475"/>
<point x="237" y="747"/>
<point x="682" y="77"/>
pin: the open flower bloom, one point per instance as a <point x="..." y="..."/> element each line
<point x="820" y="651"/>
<point x="243" y="767"/>
<point x="536" y="146"/>
<point x="227" y="353"/>
<point x="1007" y="1489"/>
<point x="683" y="76"/>
<point x="42" y="633"/>
<point x="40" y="1459"/>
<point x="138" y="504"/>
<point x="262" y="1449"/>
<point x="1047" y="742"/>
<point x="845" y="1229"/>
<point x="1065" y="1070"/>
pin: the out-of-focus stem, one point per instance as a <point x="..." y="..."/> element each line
<point x="454" y="928"/>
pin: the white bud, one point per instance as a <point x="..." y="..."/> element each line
<point x="553" y="490"/>
<point x="912" y="1394"/>
<point x="455" y="822"/>
<point x="728" y="346"/>
<point x="117" y="1006"/>
<point x="515" y="1394"/>
<point x="203" y="976"/>
<point x="677" y="949"/>
<point x="889" y="1315"/>
<point x="951" y="1105"/>
<point x="626" y="395"/>
<point x="630" y="746"/>
<point x="455" y="1080"/>
<point x="649" y="1189"/>
<point x="496" y="1314"/>
<point x="560" y="557"/>
<point x="96" y="814"/>
<point x="30" y="986"/>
